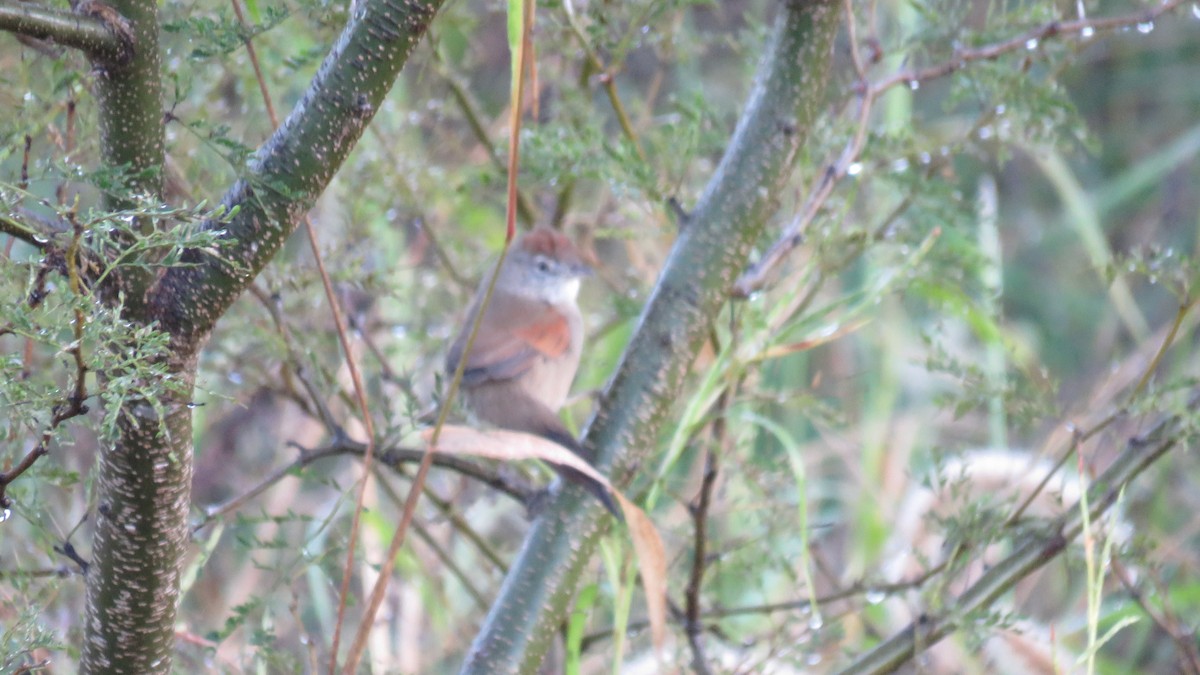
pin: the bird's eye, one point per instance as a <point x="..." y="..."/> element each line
<point x="543" y="265"/>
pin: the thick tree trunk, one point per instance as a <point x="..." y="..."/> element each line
<point x="144" y="486"/>
<point x="144" y="494"/>
<point x="144" y="480"/>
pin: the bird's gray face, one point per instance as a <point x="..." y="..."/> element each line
<point x="543" y="277"/>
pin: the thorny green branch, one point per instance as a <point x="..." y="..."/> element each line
<point x="93" y="28"/>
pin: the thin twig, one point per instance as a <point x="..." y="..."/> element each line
<point x="339" y="321"/>
<point x="315" y="401"/>
<point x="699" y="511"/>
<point x="73" y="405"/>
<point x="1078" y="436"/>
<point x="410" y="504"/>
<point x="857" y="589"/>
<point x="606" y="78"/>
<point x="393" y="457"/>
<point x="868" y="92"/>
<point x="474" y="116"/>
<point x="1166" y="619"/>
<point x="443" y="556"/>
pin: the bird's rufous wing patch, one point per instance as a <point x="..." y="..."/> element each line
<point x="512" y="336"/>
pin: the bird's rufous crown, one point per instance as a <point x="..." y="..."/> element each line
<point x="552" y="244"/>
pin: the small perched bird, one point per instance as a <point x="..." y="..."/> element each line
<point x="521" y="365"/>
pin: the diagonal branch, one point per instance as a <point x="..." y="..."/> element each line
<point x="710" y="250"/>
<point x="103" y="34"/>
<point x="295" y="165"/>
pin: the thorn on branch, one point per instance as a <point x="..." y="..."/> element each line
<point x="24" y="184"/>
<point x="876" y="50"/>
<point x="682" y="218"/>
<point x="68" y="550"/>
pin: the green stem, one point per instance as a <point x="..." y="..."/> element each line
<point x="709" y="253"/>
<point x="93" y="35"/>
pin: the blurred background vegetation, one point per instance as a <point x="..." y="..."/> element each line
<point x="993" y="273"/>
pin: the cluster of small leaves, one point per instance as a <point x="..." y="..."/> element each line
<point x="1158" y="264"/>
<point x="945" y="24"/>
<point x="24" y="634"/>
<point x="1032" y="110"/>
<point x="1027" y="400"/>
<point x="219" y="139"/>
<point x="224" y="34"/>
<point x="128" y="356"/>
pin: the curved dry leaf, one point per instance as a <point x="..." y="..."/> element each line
<point x="511" y="445"/>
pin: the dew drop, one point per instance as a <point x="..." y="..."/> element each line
<point x="815" y="621"/>
<point x="854" y="169"/>
<point x="5" y="515"/>
<point x="914" y="84"/>
<point x="1196" y="10"/>
<point x="1087" y="32"/>
<point x="1031" y="44"/>
<point x="875" y="596"/>
<point x="1145" y="27"/>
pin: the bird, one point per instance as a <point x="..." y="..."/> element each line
<point x="519" y="370"/>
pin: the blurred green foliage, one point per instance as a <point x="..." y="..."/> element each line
<point x="879" y="354"/>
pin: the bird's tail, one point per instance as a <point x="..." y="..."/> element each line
<point x="598" y="490"/>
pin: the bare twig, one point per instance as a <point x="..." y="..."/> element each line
<point x="68" y="551"/>
<point x="1079" y="436"/>
<point x="60" y="572"/>
<point x="314" y="404"/>
<point x="339" y="321"/>
<point x="443" y="556"/>
<point x="700" y="510"/>
<point x="393" y="457"/>
<point x="1166" y="619"/>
